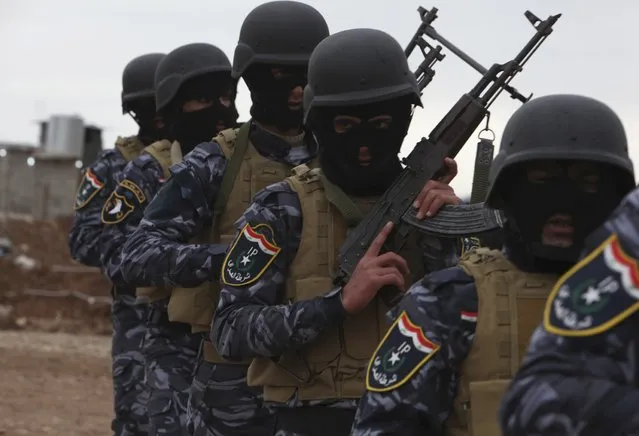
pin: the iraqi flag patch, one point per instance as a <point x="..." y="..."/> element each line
<point x="402" y="352"/>
<point x="90" y="185"/>
<point x="598" y="293"/>
<point x="249" y="256"/>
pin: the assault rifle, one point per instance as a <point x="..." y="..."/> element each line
<point x="425" y="73"/>
<point x="446" y="139"/>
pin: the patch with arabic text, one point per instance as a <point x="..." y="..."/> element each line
<point x="402" y="352"/>
<point x="596" y="294"/>
<point x="122" y="202"/>
<point x="250" y="255"/>
<point x="90" y="185"/>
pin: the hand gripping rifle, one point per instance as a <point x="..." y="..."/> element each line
<point x="446" y="139"/>
<point x="425" y="73"/>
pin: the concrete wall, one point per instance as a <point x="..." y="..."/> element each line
<point x="45" y="191"/>
<point x="55" y="187"/>
<point x="17" y="181"/>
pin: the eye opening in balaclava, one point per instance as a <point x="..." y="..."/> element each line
<point x="553" y="205"/>
<point x="359" y="145"/>
<point x="271" y="89"/>
<point x="216" y="94"/>
<point x="151" y="126"/>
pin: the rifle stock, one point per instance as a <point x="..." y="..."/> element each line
<point x="426" y="158"/>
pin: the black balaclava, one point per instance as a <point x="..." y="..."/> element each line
<point x="339" y="152"/>
<point x="193" y="128"/>
<point x="270" y="95"/>
<point x="560" y="195"/>
<point x="149" y="129"/>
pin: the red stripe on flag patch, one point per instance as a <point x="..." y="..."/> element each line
<point x="469" y="316"/>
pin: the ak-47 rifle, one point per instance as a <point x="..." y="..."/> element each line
<point x="447" y="139"/>
<point x="425" y="73"/>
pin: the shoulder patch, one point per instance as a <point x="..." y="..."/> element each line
<point x="89" y="186"/>
<point x="401" y="353"/>
<point x="122" y="202"/>
<point x="596" y="294"/>
<point x="250" y="255"/>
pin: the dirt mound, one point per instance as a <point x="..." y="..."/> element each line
<point x="42" y="287"/>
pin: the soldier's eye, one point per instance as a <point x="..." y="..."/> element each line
<point x="381" y="123"/>
<point x="343" y="124"/>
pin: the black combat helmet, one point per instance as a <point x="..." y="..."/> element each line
<point x="356" y="67"/>
<point x="562" y="127"/>
<point x="278" y="32"/>
<point x="138" y="79"/>
<point x="184" y="63"/>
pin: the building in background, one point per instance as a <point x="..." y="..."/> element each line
<point x="41" y="180"/>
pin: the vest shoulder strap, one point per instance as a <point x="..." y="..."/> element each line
<point x="305" y="180"/>
<point x="234" y="144"/>
<point x="130" y="147"/>
<point x="481" y="261"/>
<point x="161" y="151"/>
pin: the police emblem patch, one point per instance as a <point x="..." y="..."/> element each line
<point x="598" y="293"/>
<point x="90" y="185"/>
<point x="122" y="202"/>
<point x="402" y="352"/>
<point x="116" y="209"/>
<point x="249" y="256"/>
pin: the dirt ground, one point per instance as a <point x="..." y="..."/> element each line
<point x="54" y="336"/>
<point x="54" y="384"/>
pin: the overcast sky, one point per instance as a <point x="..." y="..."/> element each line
<point x="66" y="56"/>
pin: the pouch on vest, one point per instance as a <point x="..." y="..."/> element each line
<point x="511" y="304"/>
<point x="334" y="365"/>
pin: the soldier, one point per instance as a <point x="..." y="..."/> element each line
<point x="195" y="94"/>
<point x="278" y="302"/>
<point x="87" y="242"/>
<point x="176" y="245"/>
<point x="580" y="374"/>
<point x="137" y="101"/>
<point x="459" y="333"/>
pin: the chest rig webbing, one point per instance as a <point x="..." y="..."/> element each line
<point x="511" y="305"/>
<point x="332" y="366"/>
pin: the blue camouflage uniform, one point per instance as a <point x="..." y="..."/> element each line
<point x="423" y="401"/>
<point x="88" y="243"/>
<point x="157" y="254"/>
<point x="581" y="373"/>
<point x="140" y="181"/>
<point x="457" y="338"/>
<point x="255" y="320"/>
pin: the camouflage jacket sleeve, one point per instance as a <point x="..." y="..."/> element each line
<point x="581" y="373"/>
<point x="252" y="318"/>
<point x="123" y="210"/>
<point x="96" y="184"/>
<point x="158" y="252"/>
<point x="412" y="377"/>
<point x="438" y="253"/>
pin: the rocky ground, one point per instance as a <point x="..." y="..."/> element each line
<point x="54" y="336"/>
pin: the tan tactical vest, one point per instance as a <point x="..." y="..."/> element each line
<point x="334" y="365"/>
<point x="248" y="172"/>
<point x="130" y="147"/>
<point x="511" y="304"/>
